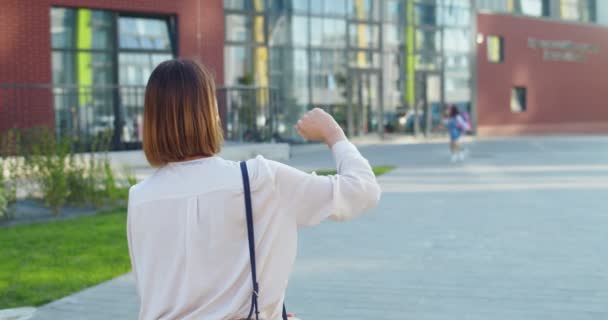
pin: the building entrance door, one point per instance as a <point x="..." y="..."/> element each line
<point x="364" y="107"/>
<point x="430" y="101"/>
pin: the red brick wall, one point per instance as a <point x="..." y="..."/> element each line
<point x="25" y="42"/>
<point x="562" y="97"/>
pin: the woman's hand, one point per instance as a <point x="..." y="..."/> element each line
<point x="318" y="125"/>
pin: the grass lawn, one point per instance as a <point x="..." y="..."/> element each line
<point x="40" y="263"/>
<point x="378" y="171"/>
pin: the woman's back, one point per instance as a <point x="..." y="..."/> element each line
<point x="187" y="226"/>
<point x="188" y="235"/>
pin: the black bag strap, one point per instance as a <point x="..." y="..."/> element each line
<point x="250" y="237"/>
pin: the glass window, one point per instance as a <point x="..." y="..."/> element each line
<point x="457" y="88"/>
<point x="316" y="31"/>
<point x="326" y="59"/>
<point x="238" y="65"/>
<point x="318" y="81"/>
<point x="300" y="62"/>
<point x="531" y="7"/>
<point x="96" y="66"/>
<point x="456" y="62"/>
<point x="391" y="36"/>
<point x="143" y="33"/>
<point x="278" y="30"/>
<point x="458" y="3"/>
<point x="299" y="27"/>
<point x="277" y="6"/>
<point x="81" y="28"/>
<point x="577" y="10"/>
<point x="495" y="49"/>
<point x="135" y="68"/>
<point x="425" y="14"/>
<point x="326" y="70"/>
<point x="246" y="5"/>
<point x="63" y="33"/>
<point x="236" y="4"/>
<point x="334" y="32"/>
<point x="392" y="88"/>
<point x="364" y="59"/>
<point x="428" y="41"/>
<point x="364" y="35"/>
<point x="518" y="99"/>
<point x="327" y="32"/>
<point x="456" y="40"/>
<point x="64" y="67"/>
<point x="394" y="10"/>
<point x="588" y="11"/>
<point x="238" y="27"/>
<point x="569" y="10"/>
<point x="427" y="62"/>
<point x="300" y="5"/>
<point x="454" y="16"/>
<point x="316" y="61"/>
<point x="362" y="9"/>
<point x="101" y="28"/>
<point x="279" y="56"/>
<point x="492" y="5"/>
<point x="316" y="6"/>
<point x="335" y="7"/>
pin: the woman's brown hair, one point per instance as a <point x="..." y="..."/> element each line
<point x="181" y="120"/>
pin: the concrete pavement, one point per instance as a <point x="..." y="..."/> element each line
<point x="115" y="299"/>
<point x="516" y="232"/>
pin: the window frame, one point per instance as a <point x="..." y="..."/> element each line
<point x="516" y="91"/>
<point x="501" y="49"/>
<point x="114" y="50"/>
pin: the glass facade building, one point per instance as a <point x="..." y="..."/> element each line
<point x="379" y="66"/>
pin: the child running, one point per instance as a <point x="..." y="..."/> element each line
<point x="456" y="125"/>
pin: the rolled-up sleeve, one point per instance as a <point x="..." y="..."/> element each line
<point x="346" y="195"/>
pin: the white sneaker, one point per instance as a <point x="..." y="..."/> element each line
<point x="454" y="158"/>
<point x="461" y="155"/>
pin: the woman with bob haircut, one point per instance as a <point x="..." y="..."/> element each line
<point x="187" y="226"/>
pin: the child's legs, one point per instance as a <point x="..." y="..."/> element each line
<point x="454" y="146"/>
<point x="454" y="138"/>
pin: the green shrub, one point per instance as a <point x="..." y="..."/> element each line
<point x="2" y="173"/>
<point x="3" y="204"/>
<point x="79" y="186"/>
<point x="48" y="163"/>
<point x="130" y="177"/>
<point x="3" y="196"/>
<point x="57" y="174"/>
<point x="13" y="166"/>
<point x="93" y="181"/>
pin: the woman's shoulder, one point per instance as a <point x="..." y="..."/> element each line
<point x="262" y="171"/>
<point x="218" y="174"/>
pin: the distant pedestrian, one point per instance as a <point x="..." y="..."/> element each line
<point x="456" y="124"/>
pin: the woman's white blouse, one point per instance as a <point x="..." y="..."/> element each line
<point x="188" y="235"/>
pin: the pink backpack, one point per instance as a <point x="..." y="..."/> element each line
<point x="466" y="124"/>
